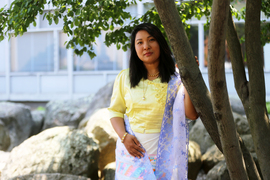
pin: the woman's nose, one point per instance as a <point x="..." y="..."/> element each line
<point x="146" y="45"/>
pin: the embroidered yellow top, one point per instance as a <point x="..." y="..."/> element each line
<point x="145" y="116"/>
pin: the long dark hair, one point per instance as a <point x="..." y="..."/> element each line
<point x="137" y="70"/>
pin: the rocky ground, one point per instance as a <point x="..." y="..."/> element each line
<point x="74" y="139"/>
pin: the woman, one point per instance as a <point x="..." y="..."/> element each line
<point x="148" y="109"/>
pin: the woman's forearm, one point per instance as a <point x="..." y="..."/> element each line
<point x="190" y="111"/>
<point x="131" y="143"/>
<point x="118" y="126"/>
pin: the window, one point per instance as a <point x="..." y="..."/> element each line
<point x="62" y="51"/>
<point x="2" y="57"/>
<point x="108" y="58"/>
<point x="32" y="52"/>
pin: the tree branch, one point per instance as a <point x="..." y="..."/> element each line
<point x="239" y="74"/>
<point x="220" y="99"/>
<point x="241" y="86"/>
<point x="258" y="119"/>
<point x="189" y="70"/>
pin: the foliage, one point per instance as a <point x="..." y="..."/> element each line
<point x="84" y="20"/>
<point x="187" y="10"/>
<point x="41" y="108"/>
<point x="268" y="107"/>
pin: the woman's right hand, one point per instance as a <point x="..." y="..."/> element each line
<point x="133" y="146"/>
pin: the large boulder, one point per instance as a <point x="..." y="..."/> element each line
<point x="237" y="105"/>
<point x="38" y="118"/>
<point x="109" y="171"/>
<point x="201" y="175"/>
<point x="3" y="160"/>
<point x="247" y="138"/>
<point x="4" y="137"/>
<point x="99" y="126"/>
<point x="219" y="172"/>
<point x="18" y="122"/>
<point x="241" y="124"/>
<point x="101" y="99"/>
<point x="199" y="134"/>
<point x="212" y="157"/>
<point x="54" y="176"/>
<point x="56" y="150"/>
<point x="66" y="113"/>
<point x="194" y="160"/>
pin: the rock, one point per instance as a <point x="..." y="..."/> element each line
<point x="199" y="134"/>
<point x="212" y="157"/>
<point x="66" y="113"/>
<point x="109" y="171"/>
<point x="241" y="124"/>
<point x="4" y="137"/>
<point x="219" y="172"/>
<point x="237" y="105"/>
<point x="56" y="150"/>
<point x="3" y="160"/>
<point x="201" y="175"/>
<point x="38" y="118"/>
<point x="99" y="126"/>
<point x="247" y="138"/>
<point x="18" y="122"/>
<point x="194" y="160"/>
<point x="54" y="176"/>
<point x="191" y="124"/>
<point x="101" y="99"/>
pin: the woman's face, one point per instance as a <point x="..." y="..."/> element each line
<point x="147" y="47"/>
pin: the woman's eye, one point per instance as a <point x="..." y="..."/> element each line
<point x="139" y="42"/>
<point x="152" y="39"/>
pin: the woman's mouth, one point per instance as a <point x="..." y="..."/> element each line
<point x="148" y="54"/>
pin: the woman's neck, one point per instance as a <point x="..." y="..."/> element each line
<point x="152" y="70"/>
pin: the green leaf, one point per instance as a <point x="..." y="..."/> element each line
<point x="77" y="22"/>
<point x="50" y="21"/>
<point x="63" y="9"/>
<point x="111" y="27"/>
<point x="56" y="20"/>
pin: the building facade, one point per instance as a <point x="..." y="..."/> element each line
<point x="38" y="67"/>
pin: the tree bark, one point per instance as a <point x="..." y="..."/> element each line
<point x="241" y="86"/>
<point x="189" y="71"/>
<point x="252" y="170"/>
<point x="220" y="100"/>
<point x="258" y="119"/>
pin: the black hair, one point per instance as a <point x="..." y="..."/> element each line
<point x="137" y="70"/>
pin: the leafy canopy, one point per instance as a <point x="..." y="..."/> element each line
<point x="84" y="20"/>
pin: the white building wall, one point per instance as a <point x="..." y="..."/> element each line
<point x="66" y="79"/>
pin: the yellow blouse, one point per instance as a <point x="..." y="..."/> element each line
<point x="145" y="116"/>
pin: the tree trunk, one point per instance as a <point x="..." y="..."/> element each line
<point x="189" y="71"/>
<point x="220" y="99"/>
<point x="258" y="119"/>
<point x="241" y="86"/>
